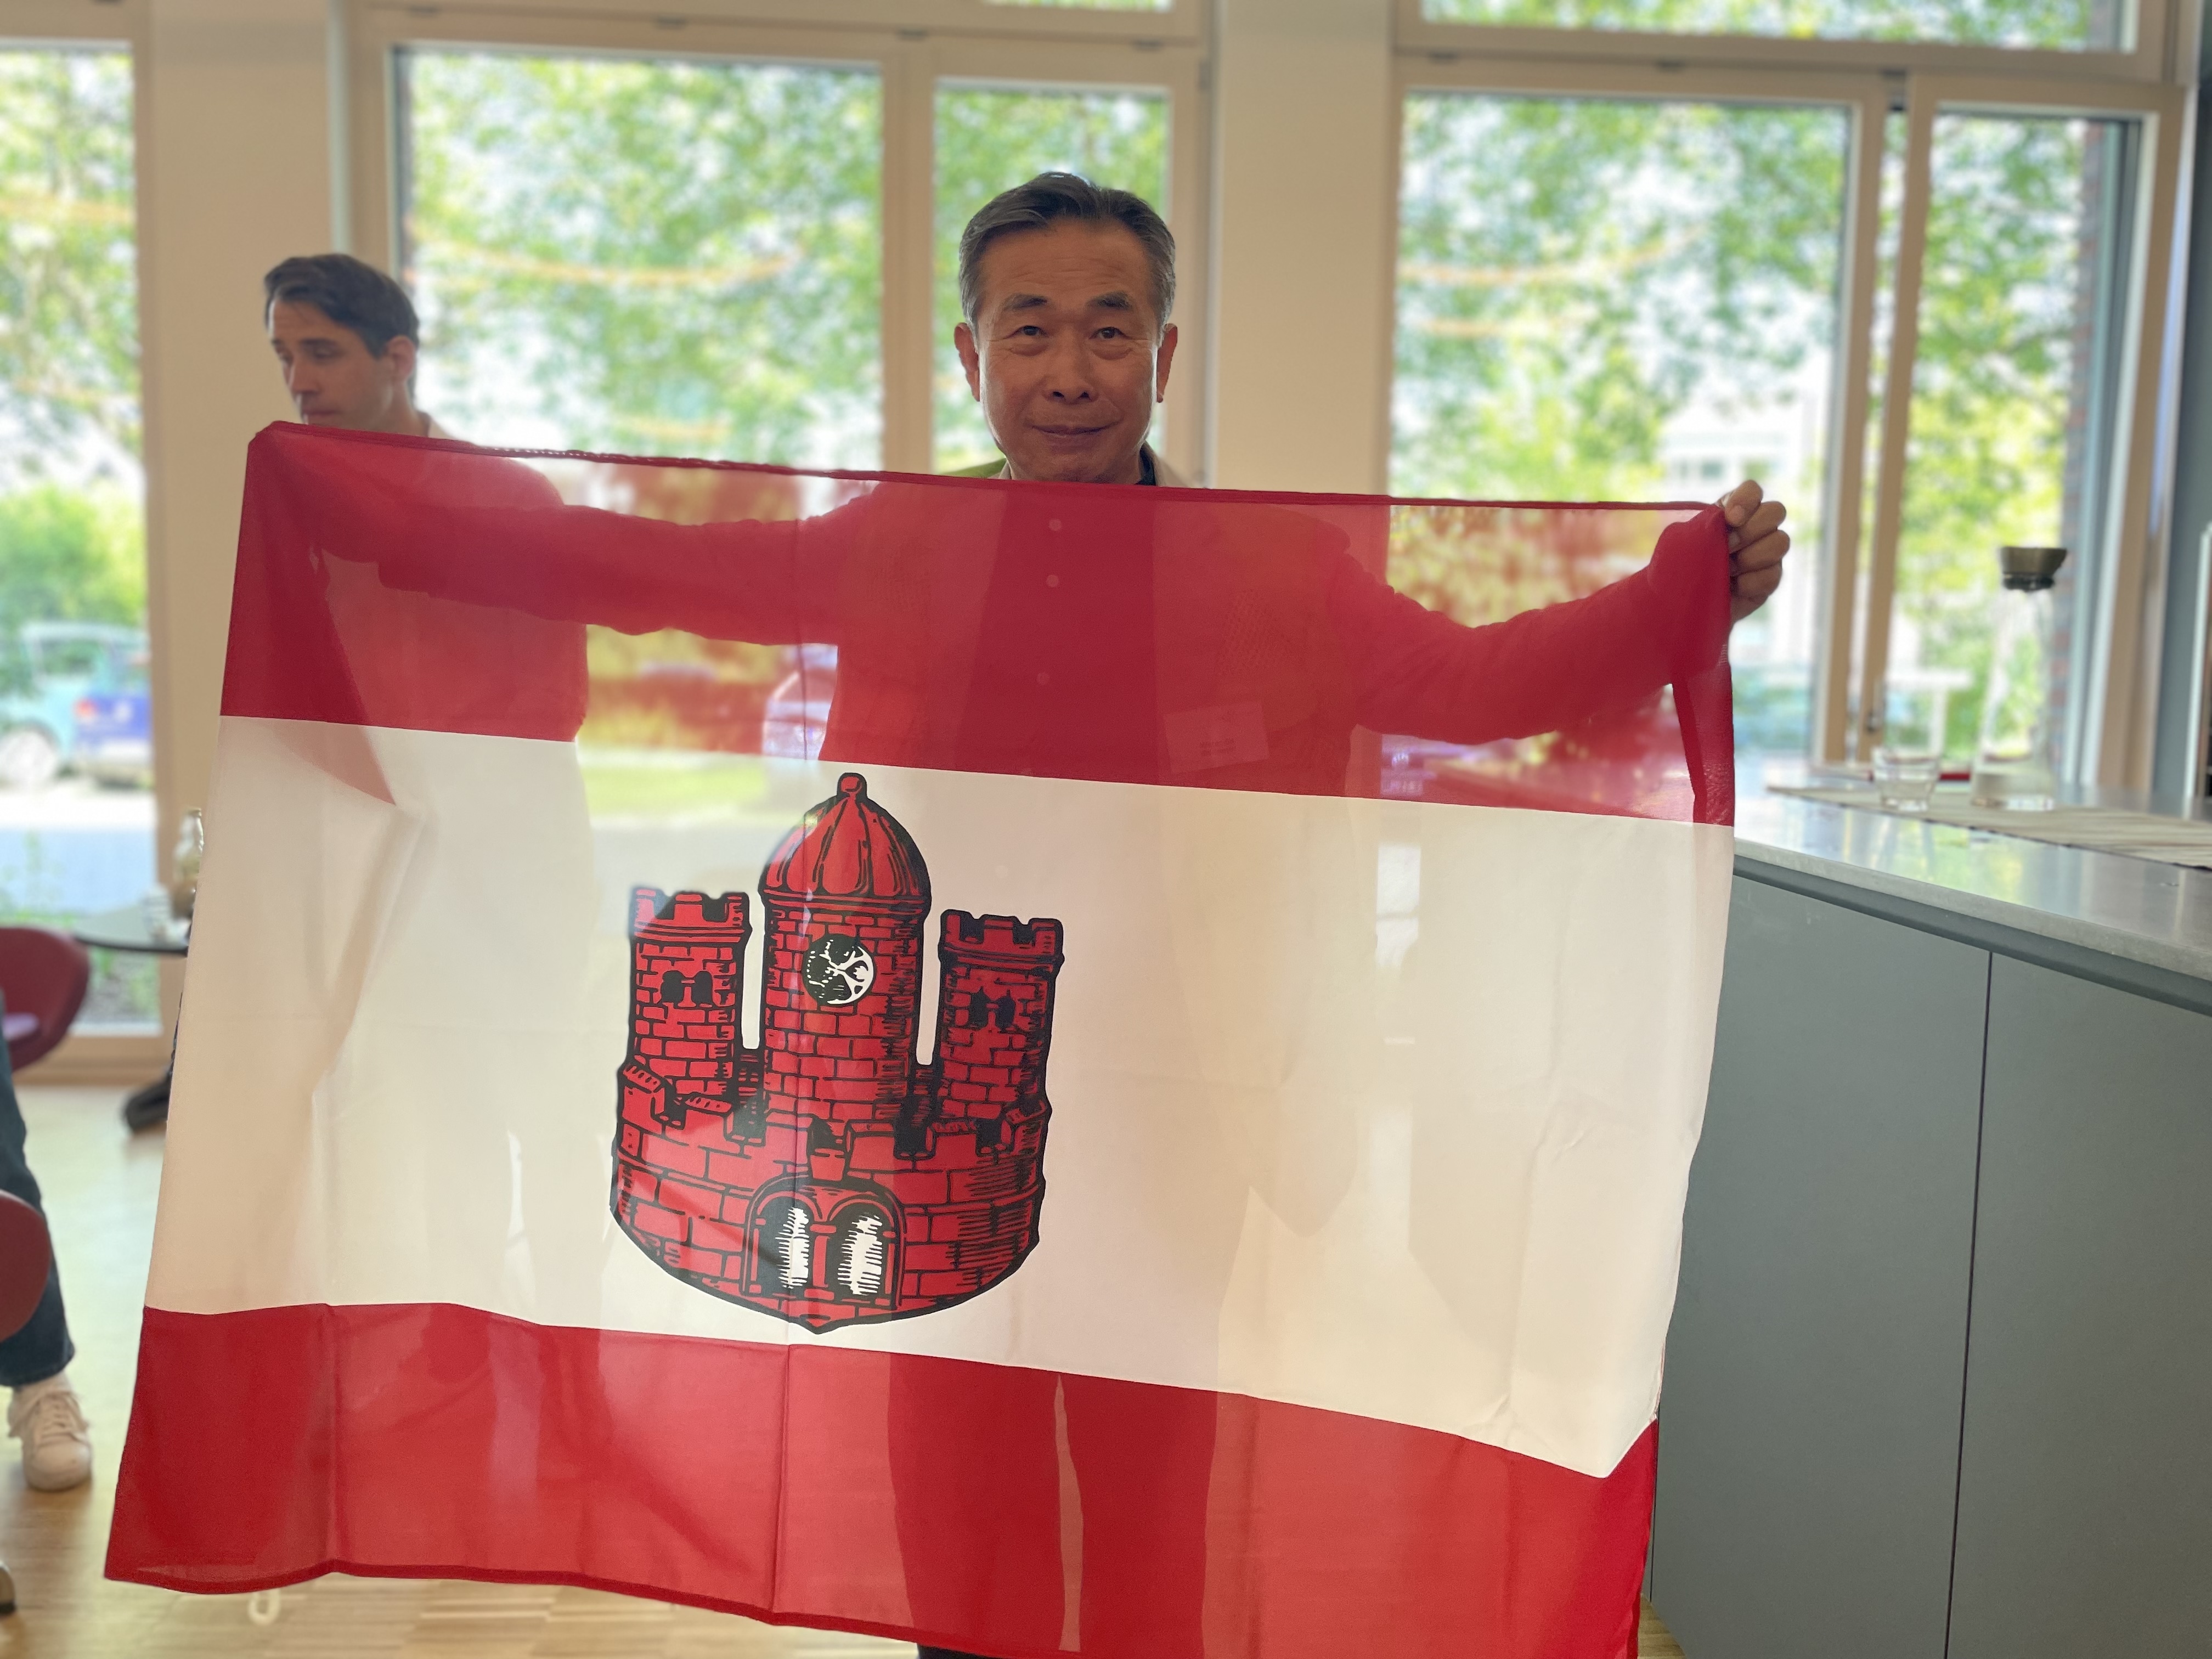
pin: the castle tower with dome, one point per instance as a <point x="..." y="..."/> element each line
<point x="828" y="1176"/>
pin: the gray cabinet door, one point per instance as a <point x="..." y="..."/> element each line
<point x="2085" y="1497"/>
<point x="1809" y="1433"/>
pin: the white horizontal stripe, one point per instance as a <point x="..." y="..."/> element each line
<point x="1380" y="1107"/>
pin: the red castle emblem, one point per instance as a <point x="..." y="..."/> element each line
<point x="828" y="1176"/>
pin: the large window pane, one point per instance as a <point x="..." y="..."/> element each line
<point x="990" y="139"/>
<point x="76" y="810"/>
<point x="1625" y="301"/>
<point x="2010" y="426"/>
<point x="2062" y="25"/>
<point x="657" y="257"/>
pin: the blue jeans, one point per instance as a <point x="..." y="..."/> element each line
<point x="42" y="1347"/>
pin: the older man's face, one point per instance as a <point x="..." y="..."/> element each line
<point x="1068" y="356"/>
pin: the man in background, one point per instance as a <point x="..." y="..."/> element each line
<point x="347" y="337"/>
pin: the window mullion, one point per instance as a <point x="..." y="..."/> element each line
<point x="1896" y="415"/>
<point x="908" y="219"/>
<point x="2121" y="685"/>
<point x="1849" y="394"/>
<point x="1189" y="153"/>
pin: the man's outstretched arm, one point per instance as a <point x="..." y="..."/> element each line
<point x="1421" y="673"/>
<point x="769" y="582"/>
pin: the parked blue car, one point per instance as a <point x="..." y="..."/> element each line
<point x="73" y="696"/>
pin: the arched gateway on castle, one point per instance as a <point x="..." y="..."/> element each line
<point x="828" y="1176"/>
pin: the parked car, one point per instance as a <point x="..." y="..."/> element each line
<point x="50" y="672"/>
<point x="115" y="733"/>
<point x="797" y="717"/>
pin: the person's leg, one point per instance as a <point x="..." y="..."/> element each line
<point x="1144" y="1459"/>
<point x="975" y="1489"/>
<point x="41" y="1349"/>
<point x="42" y="1412"/>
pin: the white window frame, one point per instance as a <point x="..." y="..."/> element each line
<point x="90" y="1058"/>
<point x="911" y="61"/>
<point x="2150" y="57"/>
<point x="1179" y="22"/>
<point x="2118" y="715"/>
<point x="1870" y="80"/>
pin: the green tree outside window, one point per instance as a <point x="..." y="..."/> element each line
<point x="660" y="258"/>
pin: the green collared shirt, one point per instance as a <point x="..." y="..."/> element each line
<point x="1151" y="466"/>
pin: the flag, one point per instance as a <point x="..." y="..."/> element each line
<point x="1040" y="1069"/>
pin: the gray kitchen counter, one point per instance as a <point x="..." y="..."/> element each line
<point x="1941" y="1353"/>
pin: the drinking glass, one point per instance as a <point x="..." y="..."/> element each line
<point x="1905" y="778"/>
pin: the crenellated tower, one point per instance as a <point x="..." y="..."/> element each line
<point x="686" y="969"/>
<point x="995" y="987"/>
<point x="846" y="897"/>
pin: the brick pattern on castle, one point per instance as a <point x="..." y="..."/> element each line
<point x="828" y="1176"/>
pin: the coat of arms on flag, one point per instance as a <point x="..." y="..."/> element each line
<point x="829" y="1176"/>
<point x="643" y="902"/>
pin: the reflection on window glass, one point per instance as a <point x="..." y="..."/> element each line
<point x="657" y="257"/>
<point x="2011" y="394"/>
<point x="76" y="810"/>
<point x="989" y="139"/>
<point x="1616" y="300"/>
<point x="2060" y="24"/>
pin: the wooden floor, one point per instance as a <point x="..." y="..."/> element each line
<point x="101" y="1186"/>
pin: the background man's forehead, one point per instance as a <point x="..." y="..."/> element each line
<point x="307" y="315"/>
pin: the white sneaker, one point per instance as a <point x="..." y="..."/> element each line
<point x="48" y="1419"/>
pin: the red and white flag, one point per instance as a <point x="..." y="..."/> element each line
<point x="1042" y="1069"/>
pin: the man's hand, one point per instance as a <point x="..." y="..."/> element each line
<point x="1756" y="544"/>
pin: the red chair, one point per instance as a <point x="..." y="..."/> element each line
<point x="25" y="1254"/>
<point x="43" y="978"/>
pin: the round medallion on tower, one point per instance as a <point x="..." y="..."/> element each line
<point x="849" y="851"/>
<point x="837" y="969"/>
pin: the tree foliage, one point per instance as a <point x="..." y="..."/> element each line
<point x="1573" y="272"/>
<point x="69" y="289"/>
<point x="679" y="256"/>
<point x="2001" y="379"/>
<point x="71" y="554"/>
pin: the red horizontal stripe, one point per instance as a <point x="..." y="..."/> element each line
<point x="936" y="1500"/>
<point x="1074" y="631"/>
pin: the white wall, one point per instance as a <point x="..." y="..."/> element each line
<point x="236" y="173"/>
<point x="1305" y="241"/>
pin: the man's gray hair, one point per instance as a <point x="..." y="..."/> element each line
<point x="1049" y="197"/>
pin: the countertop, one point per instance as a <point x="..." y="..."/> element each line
<point x="2147" y="921"/>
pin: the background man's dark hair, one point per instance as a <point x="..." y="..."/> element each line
<point x="1051" y="196"/>
<point x="351" y="292"/>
